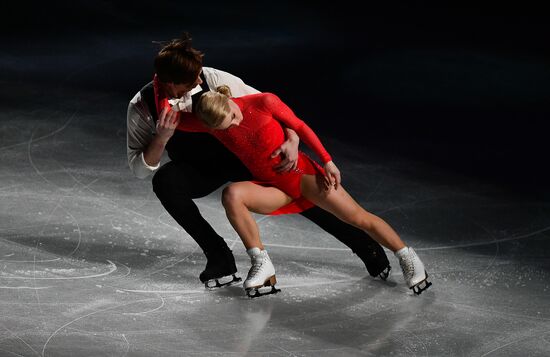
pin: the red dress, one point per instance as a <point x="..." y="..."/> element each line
<point x="258" y="135"/>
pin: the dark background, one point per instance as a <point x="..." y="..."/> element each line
<point x="458" y="85"/>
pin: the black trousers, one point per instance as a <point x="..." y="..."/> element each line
<point x="200" y="165"/>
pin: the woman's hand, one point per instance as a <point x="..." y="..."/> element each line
<point x="167" y="123"/>
<point x="332" y="176"/>
<point x="288" y="152"/>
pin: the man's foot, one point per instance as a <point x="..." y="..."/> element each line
<point x="375" y="259"/>
<point x="219" y="265"/>
<point x="384" y="274"/>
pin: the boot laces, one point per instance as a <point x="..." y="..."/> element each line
<point x="257" y="265"/>
<point x="407" y="265"/>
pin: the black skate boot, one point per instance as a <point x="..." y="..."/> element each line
<point x="375" y="260"/>
<point x="220" y="266"/>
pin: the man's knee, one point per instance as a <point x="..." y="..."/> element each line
<point x="164" y="181"/>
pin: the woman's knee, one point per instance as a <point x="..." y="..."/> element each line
<point x="232" y="196"/>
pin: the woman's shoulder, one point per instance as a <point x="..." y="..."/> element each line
<point x="264" y="98"/>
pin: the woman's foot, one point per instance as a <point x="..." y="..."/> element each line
<point x="413" y="270"/>
<point x="262" y="273"/>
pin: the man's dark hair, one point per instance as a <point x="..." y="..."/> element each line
<point x="177" y="62"/>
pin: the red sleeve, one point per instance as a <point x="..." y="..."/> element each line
<point x="286" y="116"/>
<point x="189" y="122"/>
<point x="192" y="124"/>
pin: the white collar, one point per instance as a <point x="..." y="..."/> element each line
<point x="184" y="103"/>
<point x="195" y="90"/>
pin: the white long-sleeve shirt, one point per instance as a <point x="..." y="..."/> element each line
<point x="141" y="127"/>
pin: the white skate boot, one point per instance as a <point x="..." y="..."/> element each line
<point x="262" y="273"/>
<point x="413" y="270"/>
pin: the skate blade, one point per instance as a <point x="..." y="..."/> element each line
<point x="421" y="286"/>
<point x="255" y="291"/>
<point x="215" y="283"/>
<point x="385" y="273"/>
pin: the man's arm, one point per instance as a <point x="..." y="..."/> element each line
<point x="215" y="77"/>
<point x="166" y="125"/>
<point x="288" y="151"/>
<point x="146" y="145"/>
<point x="140" y="136"/>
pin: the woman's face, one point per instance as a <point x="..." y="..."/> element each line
<point x="235" y="117"/>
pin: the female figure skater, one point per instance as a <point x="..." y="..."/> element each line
<point x="250" y="127"/>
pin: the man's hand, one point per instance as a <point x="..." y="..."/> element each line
<point x="167" y="123"/>
<point x="289" y="153"/>
<point x="332" y="176"/>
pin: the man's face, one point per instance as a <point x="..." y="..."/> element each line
<point x="178" y="90"/>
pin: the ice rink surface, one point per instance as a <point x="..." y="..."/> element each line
<point x="92" y="265"/>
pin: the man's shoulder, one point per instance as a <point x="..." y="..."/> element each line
<point x="142" y="101"/>
<point x="145" y="94"/>
<point x="215" y="73"/>
<point x="146" y="90"/>
<point x="147" y="87"/>
<point x="216" y="77"/>
<point x="136" y="99"/>
<point x="210" y="70"/>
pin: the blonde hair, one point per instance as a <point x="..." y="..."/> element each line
<point x="213" y="107"/>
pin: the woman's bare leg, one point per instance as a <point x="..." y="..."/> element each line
<point x="343" y="206"/>
<point x="240" y="198"/>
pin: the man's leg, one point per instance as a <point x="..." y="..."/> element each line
<point x="370" y="252"/>
<point x="176" y="184"/>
